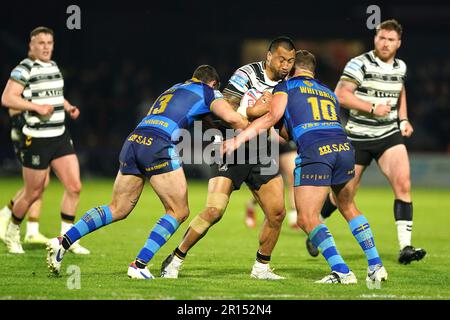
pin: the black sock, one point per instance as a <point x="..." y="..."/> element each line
<point x="328" y="208"/>
<point x="403" y="210"/>
<point x="140" y="264"/>
<point x="16" y="219"/>
<point x="262" y="258"/>
<point x="180" y="254"/>
<point x="67" y="218"/>
<point x="66" y="242"/>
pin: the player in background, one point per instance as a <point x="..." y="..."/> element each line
<point x="32" y="234"/>
<point x="36" y="88"/>
<point x="148" y="154"/>
<point x="309" y="112"/>
<point x="372" y="88"/>
<point x="267" y="189"/>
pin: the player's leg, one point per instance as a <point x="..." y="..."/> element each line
<point x="5" y="214"/>
<point x="34" y="182"/>
<point x="309" y="200"/>
<point x="287" y="166"/>
<point x="126" y="192"/>
<point x="219" y="191"/>
<point x="32" y="234"/>
<point x="360" y="228"/>
<point x="67" y="169"/>
<point x="394" y="164"/>
<point x="171" y="188"/>
<point x="250" y="213"/>
<point x="270" y="197"/>
<point x="330" y="205"/>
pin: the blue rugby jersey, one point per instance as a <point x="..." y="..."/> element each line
<point x="178" y="107"/>
<point x="312" y="111"/>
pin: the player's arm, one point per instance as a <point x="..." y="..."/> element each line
<point x="232" y="100"/>
<point x="261" y="106"/>
<point x="345" y="91"/>
<point x="72" y="110"/>
<point x="277" y="108"/>
<point x="405" y="126"/>
<point x="222" y="109"/>
<point x="12" y="98"/>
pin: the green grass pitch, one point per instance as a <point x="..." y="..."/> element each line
<point x="219" y="265"/>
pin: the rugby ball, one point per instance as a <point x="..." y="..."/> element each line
<point x="248" y="100"/>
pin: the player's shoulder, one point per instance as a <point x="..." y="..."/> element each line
<point x="252" y="68"/>
<point x="26" y="63"/>
<point x="399" y="63"/>
<point x="362" y="59"/>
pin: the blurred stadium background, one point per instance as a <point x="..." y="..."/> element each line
<point x="125" y="55"/>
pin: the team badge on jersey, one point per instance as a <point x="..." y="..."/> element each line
<point x="239" y="80"/>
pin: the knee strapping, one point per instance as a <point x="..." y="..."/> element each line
<point x="199" y="225"/>
<point x="217" y="200"/>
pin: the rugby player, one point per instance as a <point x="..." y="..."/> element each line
<point x="310" y="113"/>
<point x="372" y="87"/>
<point x="148" y="154"/>
<point x="36" y="88"/>
<point x="267" y="189"/>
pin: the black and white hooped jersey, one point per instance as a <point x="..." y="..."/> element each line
<point x="252" y="75"/>
<point x="378" y="82"/>
<point x="43" y="84"/>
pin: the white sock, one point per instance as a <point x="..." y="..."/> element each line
<point x="404" y="232"/>
<point x="5" y="212"/>
<point x="65" y="226"/>
<point x="260" y="265"/>
<point x="13" y="226"/>
<point x="32" y="228"/>
<point x="292" y="217"/>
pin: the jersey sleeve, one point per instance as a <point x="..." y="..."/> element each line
<point x="211" y="95"/>
<point x="280" y="88"/>
<point x="21" y="74"/>
<point x="238" y="84"/>
<point x="354" y="71"/>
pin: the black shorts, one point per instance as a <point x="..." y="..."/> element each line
<point x="287" y="147"/>
<point x="249" y="173"/>
<point x="37" y="153"/>
<point x="365" y="151"/>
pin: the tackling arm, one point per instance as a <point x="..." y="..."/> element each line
<point x="261" y="106"/>
<point x="222" y="109"/>
<point x="277" y="108"/>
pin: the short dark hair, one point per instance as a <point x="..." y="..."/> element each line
<point x="284" y="42"/>
<point x="305" y="60"/>
<point x="206" y="73"/>
<point x="391" y="24"/>
<point x="41" y="29"/>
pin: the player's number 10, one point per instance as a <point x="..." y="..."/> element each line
<point x="327" y="110"/>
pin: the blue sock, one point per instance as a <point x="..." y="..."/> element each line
<point x="363" y="234"/>
<point x="162" y="231"/>
<point x="92" y="220"/>
<point x="323" y="240"/>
